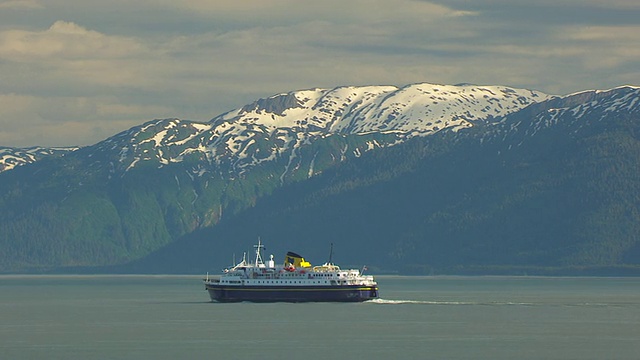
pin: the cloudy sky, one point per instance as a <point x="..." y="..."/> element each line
<point x="74" y="72"/>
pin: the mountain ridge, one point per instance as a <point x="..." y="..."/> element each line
<point x="281" y="123"/>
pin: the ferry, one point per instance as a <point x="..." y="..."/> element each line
<point x="296" y="280"/>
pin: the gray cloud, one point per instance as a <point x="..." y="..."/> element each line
<point x="73" y="72"/>
<point x="551" y="12"/>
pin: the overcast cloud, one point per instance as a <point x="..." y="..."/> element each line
<point x="74" y="72"/>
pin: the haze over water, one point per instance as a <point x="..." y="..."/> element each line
<point x="170" y="317"/>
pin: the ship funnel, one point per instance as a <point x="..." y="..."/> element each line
<point x="296" y="260"/>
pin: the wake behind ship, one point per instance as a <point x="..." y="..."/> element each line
<point x="293" y="281"/>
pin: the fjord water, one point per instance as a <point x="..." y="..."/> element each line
<point x="170" y="317"/>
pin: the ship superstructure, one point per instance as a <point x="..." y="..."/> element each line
<point x="296" y="280"/>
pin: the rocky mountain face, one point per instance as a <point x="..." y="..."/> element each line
<point x="148" y="188"/>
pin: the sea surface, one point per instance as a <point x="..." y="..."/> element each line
<point x="171" y="317"/>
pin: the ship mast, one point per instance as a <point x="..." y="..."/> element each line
<point x="258" y="256"/>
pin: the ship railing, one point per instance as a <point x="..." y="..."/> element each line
<point x="326" y="268"/>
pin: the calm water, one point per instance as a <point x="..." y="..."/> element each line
<point x="155" y="317"/>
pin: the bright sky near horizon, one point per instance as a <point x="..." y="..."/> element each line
<point x="74" y="72"/>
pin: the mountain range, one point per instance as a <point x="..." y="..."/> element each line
<point x="422" y="178"/>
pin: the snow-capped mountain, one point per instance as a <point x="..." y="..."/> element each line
<point x="11" y="157"/>
<point x="353" y="119"/>
<point x="448" y="158"/>
<point x="551" y="187"/>
<point x="278" y="127"/>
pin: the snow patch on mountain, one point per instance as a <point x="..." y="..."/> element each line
<point x="599" y="105"/>
<point x="421" y="108"/>
<point x="575" y="111"/>
<point x="12" y="157"/>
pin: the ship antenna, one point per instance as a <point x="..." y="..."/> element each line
<point x="331" y="254"/>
